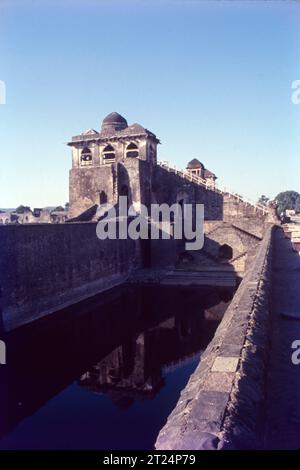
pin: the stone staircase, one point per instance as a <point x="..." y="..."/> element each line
<point x="210" y="277"/>
<point x="210" y="186"/>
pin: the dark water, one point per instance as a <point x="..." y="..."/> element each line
<point x="106" y="373"/>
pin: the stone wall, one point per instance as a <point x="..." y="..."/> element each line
<point x="233" y="208"/>
<point x="242" y="241"/>
<point x="222" y="406"/>
<point x="169" y="254"/>
<point x="131" y="177"/>
<point x="46" y="267"/>
<point x="168" y="187"/>
<point x="145" y="183"/>
<point x="86" y="184"/>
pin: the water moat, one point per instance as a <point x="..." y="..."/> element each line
<point x="107" y="372"/>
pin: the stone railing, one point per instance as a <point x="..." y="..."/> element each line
<point x="212" y="186"/>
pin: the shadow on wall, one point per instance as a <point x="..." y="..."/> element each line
<point x="86" y="216"/>
<point x="124" y="186"/>
<point x="212" y="254"/>
<point x="123" y="189"/>
<point x="172" y="254"/>
<point x="167" y="187"/>
<point x="134" y="181"/>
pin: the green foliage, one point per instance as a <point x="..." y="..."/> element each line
<point x="58" y="209"/>
<point x="21" y="209"/>
<point x="287" y="200"/>
<point x="263" y="200"/>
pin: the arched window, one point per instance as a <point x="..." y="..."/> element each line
<point x="86" y="157"/>
<point x="103" y="197"/>
<point x="108" y="154"/>
<point x="225" y="252"/>
<point x="132" y="151"/>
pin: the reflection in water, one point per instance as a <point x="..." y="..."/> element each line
<point x="107" y="372"/>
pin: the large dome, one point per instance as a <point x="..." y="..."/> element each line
<point x="114" y="121"/>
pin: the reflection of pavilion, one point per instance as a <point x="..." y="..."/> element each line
<point x="123" y="374"/>
<point x="130" y="334"/>
<point x="133" y="370"/>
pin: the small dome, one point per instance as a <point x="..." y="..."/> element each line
<point x="136" y="128"/>
<point x="114" y="121"/>
<point x="209" y="174"/>
<point x="195" y="164"/>
<point x="89" y="131"/>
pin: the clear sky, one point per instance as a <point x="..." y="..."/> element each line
<point x="211" y="79"/>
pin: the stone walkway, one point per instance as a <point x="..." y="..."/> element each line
<point x="283" y="388"/>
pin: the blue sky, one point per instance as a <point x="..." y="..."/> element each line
<point x="211" y="79"/>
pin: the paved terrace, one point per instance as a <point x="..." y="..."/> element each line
<point x="283" y="387"/>
<point x="245" y="393"/>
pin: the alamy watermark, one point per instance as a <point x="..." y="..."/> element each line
<point x="296" y="354"/>
<point x="2" y="353"/>
<point x="2" y="92"/>
<point x="295" y="98"/>
<point x="178" y="221"/>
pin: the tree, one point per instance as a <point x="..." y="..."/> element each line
<point x="297" y="205"/>
<point x="21" y="209"/>
<point x="58" y="209"/>
<point x="286" y="200"/>
<point x="263" y="200"/>
<point x="67" y="206"/>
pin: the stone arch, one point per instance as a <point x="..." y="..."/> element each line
<point x="86" y="156"/>
<point x="109" y="154"/>
<point x="132" y="150"/>
<point x="102" y="197"/>
<point x="225" y="252"/>
<point x="226" y="234"/>
<point x="182" y="197"/>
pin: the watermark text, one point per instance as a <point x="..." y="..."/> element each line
<point x="2" y="92"/>
<point x="178" y="221"/>
<point x="296" y="354"/>
<point x="2" y="353"/>
<point x="295" y="98"/>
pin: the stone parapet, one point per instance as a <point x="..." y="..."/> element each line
<point x="222" y="406"/>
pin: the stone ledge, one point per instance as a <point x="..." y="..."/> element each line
<point x="222" y="404"/>
<point x="225" y="364"/>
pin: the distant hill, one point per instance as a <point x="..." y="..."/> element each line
<point x="8" y="210"/>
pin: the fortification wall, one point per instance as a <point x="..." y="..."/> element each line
<point x="131" y="177"/>
<point x="235" y="209"/>
<point x="47" y="267"/>
<point x="222" y="406"/>
<point x="86" y="184"/>
<point x="168" y="187"/>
